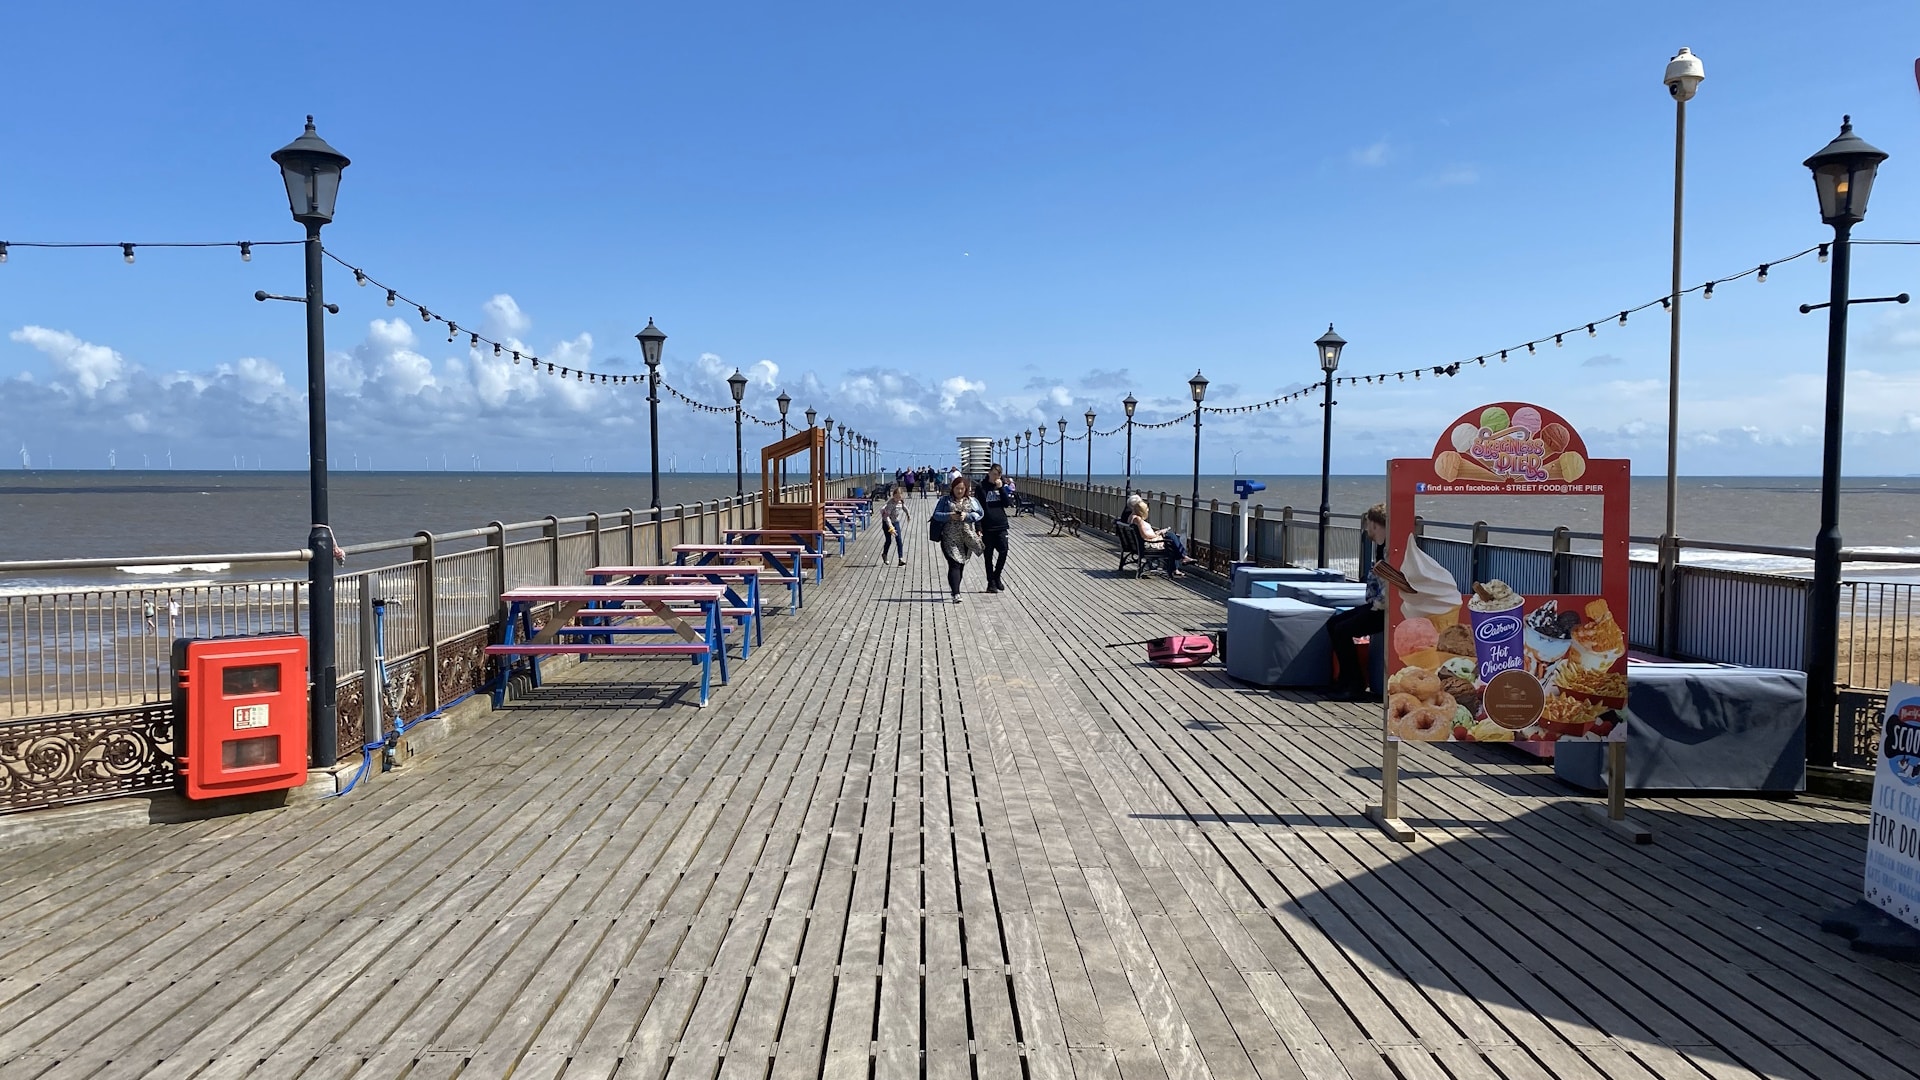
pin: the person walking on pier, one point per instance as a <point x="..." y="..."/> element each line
<point x="996" y="494"/>
<point x="954" y="517"/>
<point x="894" y="517"/>
<point x="1368" y="618"/>
<point x="146" y="608"/>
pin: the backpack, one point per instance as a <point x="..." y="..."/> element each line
<point x="1180" y="650"/>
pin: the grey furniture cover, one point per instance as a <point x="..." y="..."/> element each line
<point x="1704" y="727"/>
<point x="1332" y="594"/>
<point x="1245" y="576"/>
<point x="1278" y="642"/>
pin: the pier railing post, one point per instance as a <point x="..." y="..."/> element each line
<point x="423" y="553"/>
<point x="593" y="523"/>
<point x="1286" y="535"/>
<point x="551" y="531"/>
<point x="1667" y="596"/>
<point x="1562" y="550"/>
<point x="1253" y="543"/>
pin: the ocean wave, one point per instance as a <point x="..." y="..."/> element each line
<point x="164" y="569"/>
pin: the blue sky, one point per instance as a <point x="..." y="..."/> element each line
<point x="931" y="223"/>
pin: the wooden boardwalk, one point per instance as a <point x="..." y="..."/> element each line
<point x="914" y="838"/>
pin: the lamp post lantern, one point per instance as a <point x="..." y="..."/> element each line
<point x="1197" y="384"/>
<point x="1043" y="451"/>
<point x="1683" y="76"/>
<point x="828" y="424"/>
<point x="1063" y="455"/>
<point x="1086" y="501"/>
<point x="783" y="401"/>
<point x="1843" y="174"/>
<point x="650" y="340"/>
<point x="1328" y="345"/>
<point x="738" y="384"/>
<point x="311" y="170"/>
<point x="1129" y="404"/>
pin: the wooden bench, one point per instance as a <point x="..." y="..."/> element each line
<point x="1134" y="552"/>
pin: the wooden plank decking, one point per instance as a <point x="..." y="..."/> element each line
<point x="914" y="838"/>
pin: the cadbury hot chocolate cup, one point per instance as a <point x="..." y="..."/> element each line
<point x="1499" y="632"/>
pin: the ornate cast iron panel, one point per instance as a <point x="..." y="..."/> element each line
<point x="463" y="664"/>
<point x="94" y="755"/>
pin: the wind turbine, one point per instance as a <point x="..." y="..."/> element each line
<point x="476" y="463"/>
<point x="112" y="462"/>
<point x="169" y="457"/>
<point x="26" y="459"/>
<point x="143" y="462"/>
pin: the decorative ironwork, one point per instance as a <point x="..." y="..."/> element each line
<point x="1859" y="728"/>
<point x="85" y="756"/>
<point x="349" y="720"/>
<point x="463" y="664"/>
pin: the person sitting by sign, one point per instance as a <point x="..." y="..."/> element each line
<point x="1367" y="619"/>
<point x="1170" y="547"/>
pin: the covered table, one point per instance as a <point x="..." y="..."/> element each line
<point x="1245" y="576"/>
<point x="1704" y="727"/>
<point x="1332" y="594"/>
<point x="1278" y="642"/>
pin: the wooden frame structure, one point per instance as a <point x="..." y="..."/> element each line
<point x="785" y="504"/>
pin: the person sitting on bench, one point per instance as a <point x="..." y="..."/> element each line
<point x="1171" y="547"/>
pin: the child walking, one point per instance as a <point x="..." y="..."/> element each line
<point x="894" y="517"/>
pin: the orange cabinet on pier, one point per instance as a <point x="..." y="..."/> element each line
<point x="240" y="714"/>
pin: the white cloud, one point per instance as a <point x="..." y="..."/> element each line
<point x="1372" y="156"/>
<point x="91" y="367"/>
<point x="1457" y="175"/>
<point x="504" y="317"/>
<point x="954" y="388"/>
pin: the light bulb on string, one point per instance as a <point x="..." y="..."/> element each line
<point x="1666" y="303"/>
<point x="246" y="251"/>
<point x="3" y="251"/>
<point x="496" y="348"/>
<point x="1823" y="253"/>
<point x="127" y="251"/>
<point x="516" y="356"/>
<point x="1590" y="330"/>
<point x="425" y="315"/>
<point x="360" y="278"/>
<point x="453" y="330"/>
<point x="1503" y="356"/>
<point x="1557" y="343"/>
<point x="1707" y="293"/>
<point x="1623" y="318"/>
<point x="391" y="297"/>
<point x="1763" y="272"/>
<point x="1531" y="351"/>
<point x="473" y="342"/>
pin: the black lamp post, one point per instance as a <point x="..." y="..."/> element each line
<point x="650" y="341"/>
<point x="1328" y="345"/>
<point x="1129" y="404"/>
<point x="311" y="170"/>
<point x="1198" y="384"/>
<point x="1043" y="451"/>
<point x="1086" y="502"/>
<point x="1843" y="175"/>
<point x="828" y="424"/>
<point x="738" y="384"/>
<point x="1063" y="455"/>
<point x="783" y="401"/>
<point x="810" y="415"/>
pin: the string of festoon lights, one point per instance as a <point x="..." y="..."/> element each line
<point x="701" y="406"/>
<point x="477" y="340"/>
<point x="128" y="248"/>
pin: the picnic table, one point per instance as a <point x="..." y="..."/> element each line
<point x="814" y="540"/>
<point x="688" y="612"/>
<point x="787" y="561"/>
<point x="727" y="576"/>
<point x="861" y="508"/>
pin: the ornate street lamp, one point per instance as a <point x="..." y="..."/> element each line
<point x="1197" y="384"/>
<point x="311" y="170"/>
<point x="1843" y="176"/>
<point x="1682" y="78"/>
<point x="783" y="401"/>
<point x="828" y="424"/>
<point x="650" y="340"/>
<point x="1328" y="345"/>
<point x="1129" y="404"/>
<point x="1063" y="455"/>
<point x="1086" y="502"/>
<point x="1043" y="450"/>
<point x="738" y="384"/>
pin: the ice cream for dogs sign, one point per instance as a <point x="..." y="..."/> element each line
<point x="1893" y="839"/>
<point x="1536" y="651"/>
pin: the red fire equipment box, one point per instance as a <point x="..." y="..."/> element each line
<point x="240" y="714"/>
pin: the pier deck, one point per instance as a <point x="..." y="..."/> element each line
<point x="913" y="838"/>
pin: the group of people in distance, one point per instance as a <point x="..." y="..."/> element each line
<point x="972" y="519"/>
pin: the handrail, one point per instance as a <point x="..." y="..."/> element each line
<point x="300" y="555"/>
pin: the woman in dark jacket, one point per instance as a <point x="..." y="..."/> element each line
<point x="956" y="514"/>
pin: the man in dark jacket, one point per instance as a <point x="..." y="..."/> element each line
<point x="996" y="497"/>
